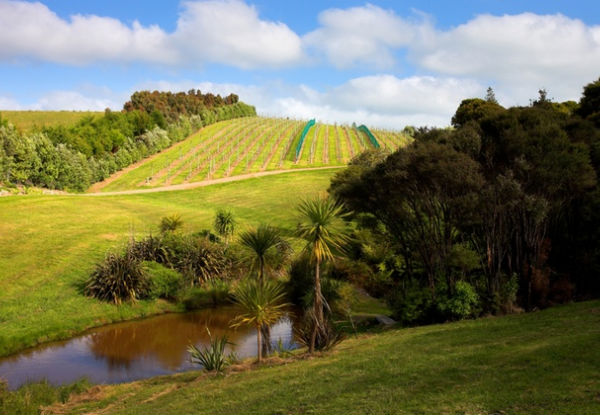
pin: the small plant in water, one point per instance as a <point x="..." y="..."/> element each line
<point x="212" y="358"/>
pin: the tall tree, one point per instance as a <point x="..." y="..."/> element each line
<point x="320" y="227"/>
<point x="263" y="304"/>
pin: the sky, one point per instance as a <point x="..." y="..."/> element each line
<point x="383" y="63"/>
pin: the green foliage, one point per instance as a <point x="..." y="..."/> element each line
<point x="463" y="303"/>
<point x="170" y="223"/>
<point x="119" y="277"/>
<point x="265" y="249"/>
<point x="263" y="304"/>
<point x="321" y="228"/>
<point x="327" y="335"/>
<point x="29" y="398"/>
<point x="212" y="358"/>
<point x="224" y="223"/>
<point x="165" y="282"/>
<point x="211" y="294"/>
<point x="74" y="156"/>
<point x="200" y="260"/>
<point x="301" y="284"/>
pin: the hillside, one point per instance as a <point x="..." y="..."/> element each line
<point x="49" y="245"/>
<point x="247" y="145"/>
<point x="543" y="362"/>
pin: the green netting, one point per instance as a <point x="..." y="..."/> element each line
<point x="303" y="136"/>
<point x="369" y="134"/>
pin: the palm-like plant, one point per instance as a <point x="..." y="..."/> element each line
<point x="263" y="304"/>
<point x="324" y="236"/>
<point x="224" y="224"/>
<point x="266" y="248"/>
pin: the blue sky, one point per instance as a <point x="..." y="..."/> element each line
<point x="384" y="63"/>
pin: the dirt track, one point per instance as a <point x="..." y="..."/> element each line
<point x="186" y="186"/>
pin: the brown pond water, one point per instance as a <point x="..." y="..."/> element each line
<point x="134" y="350"/>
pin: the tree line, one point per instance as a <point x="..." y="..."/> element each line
<point x="499" y="212"/>
<point x="73" y="157"/>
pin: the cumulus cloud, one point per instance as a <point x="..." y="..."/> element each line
<point x="366" y="35"/>
<point x="517" y="51"/>
<point x="31" y="30"/>
<point x="223" y="31"/>
<point x="380" y="100"/>
<point x="231" y="32"/>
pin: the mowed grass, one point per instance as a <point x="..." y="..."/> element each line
<point x="28" y="120"/>
<point x="542" y="362"/>
<point x="49" y="245"/>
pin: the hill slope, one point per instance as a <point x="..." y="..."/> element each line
<point x="543" y="362"/>
<point x="242" y="146"/>
<point x="49" y="245"/>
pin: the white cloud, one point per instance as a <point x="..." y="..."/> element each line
<point x="7" y="103"/>
<point x="365" y="35"/>
<point x="224" y="31"/>
<point x="31" y="30"/>
<point x="521" y="53"/>
<point x="380" y="100"/>
<point x="231" y="32"/>
<point x="73" y="101"/>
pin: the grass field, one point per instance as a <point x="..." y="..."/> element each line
<point x="246" y="145"/>
<point x="542" y="362"/>
<point x="49" y="245"/>
<point x="28" y="120"/>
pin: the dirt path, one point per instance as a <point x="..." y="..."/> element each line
<point x="186" y="186"/>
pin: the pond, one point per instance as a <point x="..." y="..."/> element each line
<point x="134" y="350"/>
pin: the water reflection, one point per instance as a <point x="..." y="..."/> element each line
<point x="134" y="350"/>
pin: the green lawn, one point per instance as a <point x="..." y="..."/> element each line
<point x="27" y="120"/>
<point x="539" y="363"/>
<point x="49" y="245"/>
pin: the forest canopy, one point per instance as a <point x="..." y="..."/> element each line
<point x="73" y="157"/>
<point x="500" y="211"/>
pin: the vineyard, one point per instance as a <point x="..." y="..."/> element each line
<point x="250" y="145"/>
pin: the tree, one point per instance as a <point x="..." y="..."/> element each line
<point x="170" y="223"/>
<point x="224" y="224"/>
<point x="265" y="247"/>
<point x="320" y="228"/>
<point x="266" y="250"/>
<point x="263" y="305"/>
<point x="490" y="96"/>
<point x="474" y="109"/>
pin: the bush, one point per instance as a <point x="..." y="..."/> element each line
<point x="212" y="358"/>
<point x="201" y="261"/>
<point x="170" y="223"/>
<point x="165" y="282"/>
<point x="326" y="338"/>
<point x="463" y="303"/>
<point x="211" y="294"/>
<point x="118" y="278"/>
<point x="300" y="286"/>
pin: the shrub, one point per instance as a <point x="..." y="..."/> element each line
<point x="165" y="282"/>
<point x="170" y="223"/>
<point x="201" y="261"/>
<point x="326" y="338"/>
<point x="212" y="358"/>
<point x="151" y="248"/>
<point x="463" y="303"/>
<point x="300" y="286"/>
<point x="210" y="294"/>
<point x="118" y="278"/>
